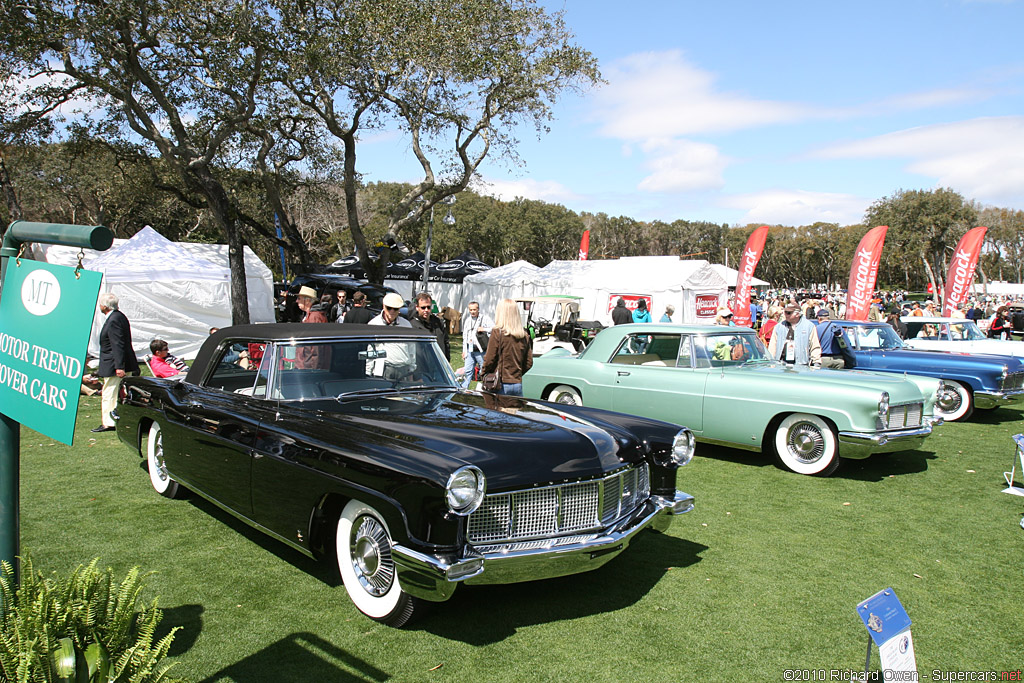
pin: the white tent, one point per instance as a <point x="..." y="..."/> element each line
<point x="167" y="289"/>
<point x="491" y="286"/>
<point x="444" y="293"/>
<point x="730" y="274"/>
<point x="692" y="287"/>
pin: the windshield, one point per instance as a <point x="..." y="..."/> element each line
<point x="874" y="337"/>
<point x="729" y="349"/>
<point x="961" y="330"/>
<point x="335" y="369"/>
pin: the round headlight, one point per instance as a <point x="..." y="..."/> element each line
<point x="883" y="404"/>
<point x="465" y="490"/>
<point x="682" y="447"/>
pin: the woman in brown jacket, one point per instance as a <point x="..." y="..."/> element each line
<point x="509" y="349"/>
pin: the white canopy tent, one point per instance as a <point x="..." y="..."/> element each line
<point x="168" y="289"/>
<point x="731" y="274"/>
<point x="694" y="288"/>
<point x="998" y="288"/>
<point x="491" y="286"/>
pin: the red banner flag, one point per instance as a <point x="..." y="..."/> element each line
<point x="751" y="255"/>
<point x="585" y="245"/>
<point x="961" y="269"/>
<point x="863" y="273"/>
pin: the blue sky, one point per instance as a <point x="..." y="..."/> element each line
<point x="791" y="112"/>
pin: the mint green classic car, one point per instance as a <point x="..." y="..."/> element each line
<point x="720" y="382"/>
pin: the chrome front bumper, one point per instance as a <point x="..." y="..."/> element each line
<point x="434" y="577"/>
<point x="857" y="445"/>
<point x="994" y="399"/>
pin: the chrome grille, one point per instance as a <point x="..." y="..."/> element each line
<point x="904" y="416"/>
<point x="1014" y="380"/>
<point x="561" y="509"/>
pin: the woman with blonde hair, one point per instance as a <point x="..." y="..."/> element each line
<point x="509" y="349"/>
<point x="774" y="313"/>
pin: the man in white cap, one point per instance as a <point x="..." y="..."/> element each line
<point x="389" y="315"/>
<point x="398" y="361"/>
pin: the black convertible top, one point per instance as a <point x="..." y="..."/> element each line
<point x="289" y="331"/>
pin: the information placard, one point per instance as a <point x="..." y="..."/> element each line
<point x="46" y="315"/>
<point x="889" y="627"/>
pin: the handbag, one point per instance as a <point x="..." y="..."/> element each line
<point x="491" y="382"/>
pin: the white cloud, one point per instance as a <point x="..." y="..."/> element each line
<point x="543" y="190"/>
<point x="682" y="166"/>
<point x="797" y="207"/>
<point x="661" y="95"/>
<point x="981" y="158"/>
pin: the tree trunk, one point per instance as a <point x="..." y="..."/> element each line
<point x="239" y="289"/>
<point x="13" y="207"/>
<point x="931" y="277"/>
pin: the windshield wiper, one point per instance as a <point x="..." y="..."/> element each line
<point x="427" y="387"/>
<point x="365" y="392"/>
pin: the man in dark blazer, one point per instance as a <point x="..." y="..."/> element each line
<point x="117" y="358"/>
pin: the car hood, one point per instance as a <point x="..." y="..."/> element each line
<point x="900" y="389"/>
<point x="936" y="360"/>
<point x="515" y="441"/>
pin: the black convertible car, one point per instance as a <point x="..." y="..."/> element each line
<point x="354" y="443"/>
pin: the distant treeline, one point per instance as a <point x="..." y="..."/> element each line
<point x="87" y="182"/>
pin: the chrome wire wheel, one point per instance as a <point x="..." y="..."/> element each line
<point x="371" y="556"/>
<point x="363" y="553"/>
<point x="953" y="401"/>
<point x="806" y="444"/>
<point x="157" y="465"/>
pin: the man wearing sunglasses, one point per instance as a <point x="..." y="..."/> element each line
<point x="390" y="314"/>
<point x="422" y="319"/>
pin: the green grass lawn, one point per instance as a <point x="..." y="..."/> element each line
<point x="762" y="577"/>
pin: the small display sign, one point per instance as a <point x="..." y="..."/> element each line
<point x="46" y="315"/>
<point x="889" y="627"/>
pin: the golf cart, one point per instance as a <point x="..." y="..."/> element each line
<point x="553" y="321"/>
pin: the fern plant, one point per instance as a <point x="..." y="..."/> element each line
<point x="86" y="628"/>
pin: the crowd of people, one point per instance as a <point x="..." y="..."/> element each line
<point x="796" y="328"/>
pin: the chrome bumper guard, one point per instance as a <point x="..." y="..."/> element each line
<point x="994" y="399"/>
<point x="862" y="444"/>
<point x="435" y="577"/>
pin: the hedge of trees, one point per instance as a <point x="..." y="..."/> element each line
<point x="85" y="182"/>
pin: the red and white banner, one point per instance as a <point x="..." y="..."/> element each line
<point x="863" y="273"/>
<point x="585" y="245"/>
<point x="706" y="305"/>
<point x="632" y="301"/>
<point x="751" y="255"/>
<point x="961" y="269"/>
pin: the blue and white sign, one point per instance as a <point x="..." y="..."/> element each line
<point x="889" y="627"/>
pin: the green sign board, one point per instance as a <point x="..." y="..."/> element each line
<point x="46" y="314"/>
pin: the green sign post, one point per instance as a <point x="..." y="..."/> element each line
<point x="39" y="292"/>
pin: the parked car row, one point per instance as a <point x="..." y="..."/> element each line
<point x="354" y="443"/>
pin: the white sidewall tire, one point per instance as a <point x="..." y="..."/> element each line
<point x="563" y="393"/>
<point x="158" y="477"/>
<point x="964" y="402"/>
<point x="815" y="427"/>
<point x="375" y="607"/>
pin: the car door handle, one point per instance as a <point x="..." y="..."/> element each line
<point x="622" y="373"/>
<point x="255" y="455"/>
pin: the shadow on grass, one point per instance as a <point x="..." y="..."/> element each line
<point x="189" y="618"/>
<point x="995" y="416"/>
<point x="739" y="456"/>
<point x="300" y="658"/>
<point x="481" y="615"/>
<point x="322" y="571"/>
<point x="884" y="465"/>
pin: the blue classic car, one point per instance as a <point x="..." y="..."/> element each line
<point x="969" y="381"/>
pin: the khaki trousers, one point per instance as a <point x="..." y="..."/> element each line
<point x="111" y="385"/>
<point x="834" y="362"/>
